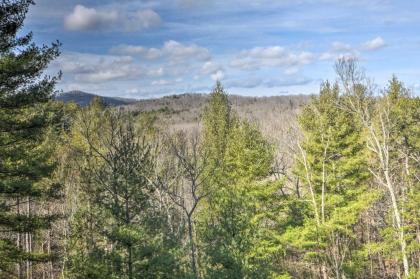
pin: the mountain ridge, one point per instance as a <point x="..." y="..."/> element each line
<point x="83" y="98"/>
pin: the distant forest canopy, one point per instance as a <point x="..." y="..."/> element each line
<point x="324" y="187"/>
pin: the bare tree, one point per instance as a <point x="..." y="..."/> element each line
<point x="187" y="186"/>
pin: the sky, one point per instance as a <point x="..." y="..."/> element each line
<point x="151" y="48"/>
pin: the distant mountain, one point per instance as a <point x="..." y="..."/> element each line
<point x="83" y="99"/>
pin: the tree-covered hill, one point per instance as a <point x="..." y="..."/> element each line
<point x="83" y="99"/>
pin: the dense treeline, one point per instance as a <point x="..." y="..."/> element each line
<point x="101" y="192"/>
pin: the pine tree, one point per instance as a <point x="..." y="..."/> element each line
<point x="218" y="119"/>
<point x="332" y="164"/>
<point x="229" y="226"/>
<point x="26" y="118"/>
<point x="386" y="140"/>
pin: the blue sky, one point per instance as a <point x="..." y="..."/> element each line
<point x="150" y="48"/>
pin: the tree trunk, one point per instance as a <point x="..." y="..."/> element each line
<point x="192" y="246"/>
<point x="18" y="240"/>
<point x="28" y="240"/>
<point x="130" y="263"/>
<point x="324" y="271"/>
<point x="129" y="248"/>
<point x="398" y="223"/>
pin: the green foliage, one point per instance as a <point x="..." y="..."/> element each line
<point x="333" y="166"/>
<point x="403" y="143"/>
<point x="218" y="119"/>
<point x="231" y="227"/>
<point x="116" y="230"/>
<point x="28" y="123"/>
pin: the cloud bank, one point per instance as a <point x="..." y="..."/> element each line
<point x="90" y="19"/>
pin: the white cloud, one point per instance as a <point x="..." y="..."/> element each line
<point x="167" y="65"/>
<point x="274" y="56"/>
<point x="178" y="51"/>
<point x="172" y="60"/>
<point x="374" y="44"/>
<point x="213" y="69"/>
<point x="210" y="67"/>
<point x="342" y="50"/>
<point x="156" y="72"/>
<point x="142" y="19"/>
<point x="92" y="68"/>
<point x="172" y="50"/>
<point x="149" y="53"/>
<point x="83" y="19"/>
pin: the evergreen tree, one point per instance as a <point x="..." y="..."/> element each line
<point x="390" y="162"/>
<point x="218" y="120"/>
<point x="332" y="164"/>
<point x="229" y="226"/>
<point x="25" y="157"/>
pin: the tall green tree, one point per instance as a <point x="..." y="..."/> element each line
<point x="389" y="139"/>
<point x="332" y="164"/>
<point x="25" y="158"/>
<point x="218" y="120"/>
<point x="229" y="226"/>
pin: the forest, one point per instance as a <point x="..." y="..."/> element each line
<point x="106" y="192"/>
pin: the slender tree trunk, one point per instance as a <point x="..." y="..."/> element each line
<point x="18" y="240"/>
<point x="381" y="147"/>
<point x="28" y="241"/>
<point x="323" y="183"/>
<point x="370" y="256"/>
<point x="324" y="271"/>
<point x="398" y="222"/>
<point x="323" y="193"/>
<point x="50" y="265"/>
<point x="297" y="188"/>
<point x="309" y="181"/>
<point x="129" y="248"/>
<point x="130" y="262"/>
<point x="192" y="247"/>
<point x="337" y="271"/>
